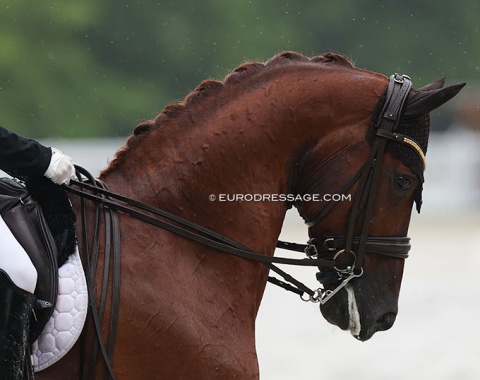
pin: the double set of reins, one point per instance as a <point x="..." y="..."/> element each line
<point x="340" y="257"/>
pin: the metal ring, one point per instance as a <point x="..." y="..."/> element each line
<point x="349" y="268"/>
<point x="307" y="299"/>
<point x="314" y="298"/>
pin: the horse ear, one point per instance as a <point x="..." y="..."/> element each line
<point x="435" y="85"/>
<point x="421" y="102"/>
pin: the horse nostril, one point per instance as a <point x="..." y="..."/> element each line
<point x="385" y="321"/>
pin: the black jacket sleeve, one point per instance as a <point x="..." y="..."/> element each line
<point x="22" y="157"/>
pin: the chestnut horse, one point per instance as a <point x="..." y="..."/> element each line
<point x="291" y="126"/>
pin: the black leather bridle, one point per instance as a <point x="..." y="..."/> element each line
<point x="353" y="248"/>
<point x="328" y="253"/>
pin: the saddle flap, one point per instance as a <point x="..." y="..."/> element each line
<point x="25" y="220"/>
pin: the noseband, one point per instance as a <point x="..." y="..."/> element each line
<point x="351" y="249"/>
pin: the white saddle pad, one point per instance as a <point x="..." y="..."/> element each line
<point x="67" y="321"/>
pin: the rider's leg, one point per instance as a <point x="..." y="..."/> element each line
<point x="17" y="283"/>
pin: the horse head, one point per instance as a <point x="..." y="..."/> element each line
<point x="369" y="249"/>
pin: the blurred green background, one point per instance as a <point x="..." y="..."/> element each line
<point x="96" y="68"/>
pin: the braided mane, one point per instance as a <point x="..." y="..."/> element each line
<point x="211" y="87"/>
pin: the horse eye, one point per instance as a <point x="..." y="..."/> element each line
<point x="403" y="183"/>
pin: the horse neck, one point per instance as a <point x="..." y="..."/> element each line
<point x="250" y="145"/>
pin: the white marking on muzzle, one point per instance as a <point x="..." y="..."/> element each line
<point x="354" y="323"/>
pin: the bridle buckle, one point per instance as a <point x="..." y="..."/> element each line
<point x="330" y="244"/>
<point x="400" y="78"/>
<point x="311" y="249"/>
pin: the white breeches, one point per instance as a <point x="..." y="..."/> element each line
<point x="15" y="261"/>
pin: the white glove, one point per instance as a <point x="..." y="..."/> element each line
<point x="61" y="169"/>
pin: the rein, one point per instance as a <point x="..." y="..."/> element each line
<point x="97" y="192"/>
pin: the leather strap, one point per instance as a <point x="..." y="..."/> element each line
<point x="389" y="246"/>
<point x="398" y="89"/>
<point x="398" y="137"/>
<point x="90" y="257"/>
<point x="195" y="232"/>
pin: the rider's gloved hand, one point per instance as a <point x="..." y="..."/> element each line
<point x="61" y="169"/>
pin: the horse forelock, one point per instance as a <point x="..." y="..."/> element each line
<point x="209" y="88"/>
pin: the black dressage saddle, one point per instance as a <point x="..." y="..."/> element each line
<point x="43" y="240"/>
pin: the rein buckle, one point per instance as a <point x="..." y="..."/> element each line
<point x="311" y="249"/>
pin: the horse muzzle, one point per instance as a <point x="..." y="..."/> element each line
<point x="350" y="310"/>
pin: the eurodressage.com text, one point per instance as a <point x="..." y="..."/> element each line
<point x="280" y="197"/>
